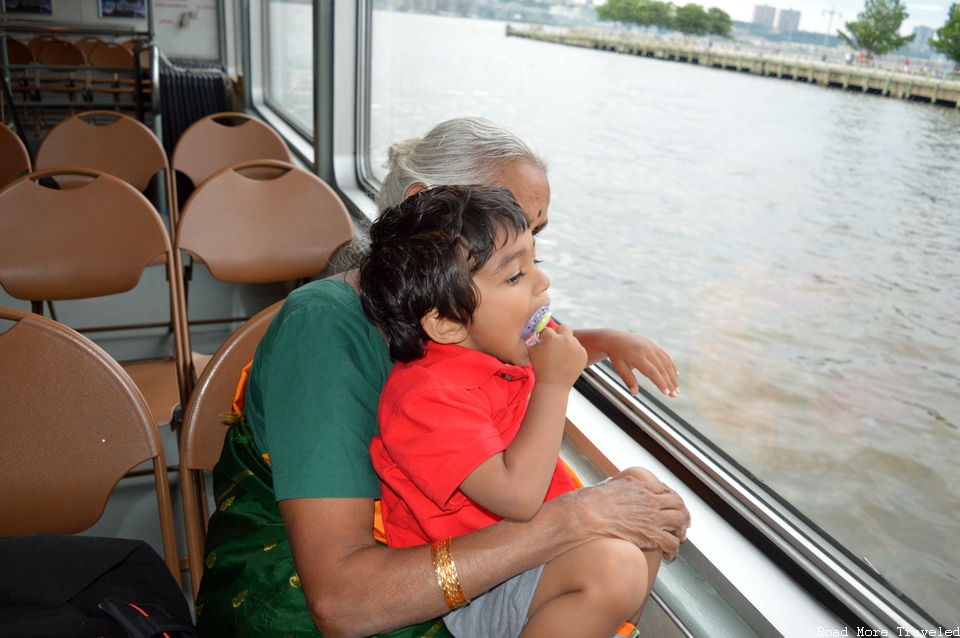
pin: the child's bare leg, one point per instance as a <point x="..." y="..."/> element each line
<point x="589" y="591"/>
<point x="653" y="556"/>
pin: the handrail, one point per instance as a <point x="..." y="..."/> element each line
<point x="25" y="26"/>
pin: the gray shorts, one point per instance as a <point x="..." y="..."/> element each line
<point x="500" y="612"/>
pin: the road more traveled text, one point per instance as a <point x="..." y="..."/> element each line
<point x="900" y="631"/>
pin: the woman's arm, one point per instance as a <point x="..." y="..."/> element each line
<point x="355" y="587"/>
<point x="627" y="352"/>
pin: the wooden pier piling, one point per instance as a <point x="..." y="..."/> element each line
<point x="884" y="82"/>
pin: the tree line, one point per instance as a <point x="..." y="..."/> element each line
<point x="877" y="30"/>
<point x="691" y="19"/>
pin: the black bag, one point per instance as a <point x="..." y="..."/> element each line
<point x="53" y="585"/>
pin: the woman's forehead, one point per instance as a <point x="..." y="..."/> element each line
<point x="529" y="185"/>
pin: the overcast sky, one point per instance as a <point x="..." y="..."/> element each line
<point x="814" y="14"/>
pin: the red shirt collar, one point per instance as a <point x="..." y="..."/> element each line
<point x="468" y="368"/>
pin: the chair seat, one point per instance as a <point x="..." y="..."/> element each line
<point x="157" y="380"/>
<point x="200" y="361"/>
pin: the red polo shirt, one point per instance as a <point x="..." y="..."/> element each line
<point x="440" y="418"/>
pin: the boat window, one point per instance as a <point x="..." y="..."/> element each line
<point x="791" y="245"/>
<point x="288" y="67"/>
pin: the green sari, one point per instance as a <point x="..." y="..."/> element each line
<point x="250" y="586"/>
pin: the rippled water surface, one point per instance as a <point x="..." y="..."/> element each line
<point x="796" y="250"/>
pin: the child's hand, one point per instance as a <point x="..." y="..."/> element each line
<point x="558" y="358"/>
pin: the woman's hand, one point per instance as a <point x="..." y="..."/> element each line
<point x="646" y="513"/>
<point x="628" y="352"/>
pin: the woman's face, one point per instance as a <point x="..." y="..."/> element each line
<point x="529" y="185"/>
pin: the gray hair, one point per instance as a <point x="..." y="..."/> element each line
<point x="461" y="151"/>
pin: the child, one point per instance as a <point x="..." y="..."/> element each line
<point x="466" y="435"/>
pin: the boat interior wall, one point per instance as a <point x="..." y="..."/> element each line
<point x="90" y="241"/>
<point x="201" y="438"/>
<point x="74" y="424"/>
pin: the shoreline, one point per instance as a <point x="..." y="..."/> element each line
<point x="875" y="81"/>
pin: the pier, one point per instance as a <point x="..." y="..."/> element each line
<point x="875" y="81"/>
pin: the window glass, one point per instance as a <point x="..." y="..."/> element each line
<point x="289" y="64"/>
<point x="794" y="248"/>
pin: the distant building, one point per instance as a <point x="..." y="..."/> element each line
<point x="788" y="21"/>
<point x="923" y="34"/>
<point x="920" y="46"/>
<point x="764" y="14"/>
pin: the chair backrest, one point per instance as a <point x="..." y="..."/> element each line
<point x="257" y="230"/>
<point x="14" y="157"/>
<point x="84" y="241"/>
<point x="109" y="54"/>
<point x="218" y="141"/>
<point x="18" y="52"/>
<point x="86" y="45"/>
<point x="201" y="437"/>
<point x="106" y="141"/>
<point x="73" y="424"/>
<point x="59" y="52"/>
<point x="38" y="42"/>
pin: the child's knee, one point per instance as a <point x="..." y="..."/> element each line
<point x="638" y="473"/>
<point x="621" y="569"/>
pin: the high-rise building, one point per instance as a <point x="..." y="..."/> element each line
<point x="923" y="34"/>
<point x="788" y="21"/>
<point x="764" y="14"/>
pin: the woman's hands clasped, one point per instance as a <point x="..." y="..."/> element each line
<point x="646" y="513"/>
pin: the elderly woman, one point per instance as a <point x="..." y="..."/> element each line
<point x="290" y="548"/>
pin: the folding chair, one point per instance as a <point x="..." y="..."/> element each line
<point x="73" y="424"/>
<point x="59" y="64"/>
<point x="89" y="241"/>
<point x="86" y="45"/>
<point x="14" y="157"/>
<point x="111" y="70"/>
<point x="277" y="223"/>
<point x="201" y="438"/>
<point x="22" y="74"/>
<point x="221" y="140"/>
<point x="110" y="142"/>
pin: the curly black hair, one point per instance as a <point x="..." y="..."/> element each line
<point x="423" y="254"/>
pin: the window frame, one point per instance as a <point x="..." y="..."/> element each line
<point x="791" y="555"/>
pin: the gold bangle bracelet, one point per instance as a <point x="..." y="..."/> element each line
<point x="447" y="574"/>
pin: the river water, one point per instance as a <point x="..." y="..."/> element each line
<point x="796" y="249"/>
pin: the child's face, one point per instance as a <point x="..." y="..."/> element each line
<point x="512" y="287"/>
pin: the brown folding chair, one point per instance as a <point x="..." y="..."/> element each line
<point x="63" y="62"/>
<point x="38" y="42"/>
<point x="14" y="157"/>
<point x="110" y="142"/>
<point x="22" y="78"/>
<point x="89" y="241"/>
<point x="261" y="221"/>
<point x="73" y="424"/>
<point x="111" y="72"/>
<point x="201" y="439"/>
<point x="86" y="45"/>
<point x="218" y="141"/>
